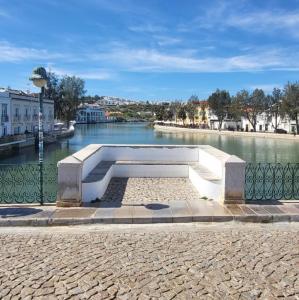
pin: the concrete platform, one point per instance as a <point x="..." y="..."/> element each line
<point x="171" y="212"/>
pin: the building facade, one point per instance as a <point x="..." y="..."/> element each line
<point x="19" y="111"/>
<point x="5" y="125"/>
<point x="206" y="119"/>
<point x="90" y="113"/>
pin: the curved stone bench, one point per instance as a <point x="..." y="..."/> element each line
<point x="85" y="175"/>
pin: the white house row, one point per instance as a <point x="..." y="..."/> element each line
<point x="19" y="113"/>
<point x="264" y="124"/>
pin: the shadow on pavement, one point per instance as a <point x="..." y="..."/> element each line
<point x="9" y="212"/>
<point x="156" y="206"/>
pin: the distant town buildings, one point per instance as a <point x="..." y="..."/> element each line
<point x="19" y="112"/>
<point x="90" y="113"/>
<point x="114" y="101"/>
<point x="204" y="118"/>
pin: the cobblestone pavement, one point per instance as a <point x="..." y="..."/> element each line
<point x="150" y="262"/>
<point x="145" y="190"/>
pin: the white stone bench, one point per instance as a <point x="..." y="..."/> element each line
<point x="208" y="168"/>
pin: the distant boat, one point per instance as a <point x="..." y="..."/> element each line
<point x="59" y="126"/>
<point x="61" y="131"/>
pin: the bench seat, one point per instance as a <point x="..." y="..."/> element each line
<point x="99" y="172"/>
<point x="205" y="173"/>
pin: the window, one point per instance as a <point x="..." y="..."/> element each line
<point x="4" y="131"/>
<point x="4" y="110"/>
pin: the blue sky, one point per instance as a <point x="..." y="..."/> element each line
<point x="152" y="49"/>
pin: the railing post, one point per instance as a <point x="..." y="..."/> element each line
<point x="69" y="192"/>
<point x="234" y="180"/>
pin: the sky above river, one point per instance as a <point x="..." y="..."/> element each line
<point x="152" y="49"/>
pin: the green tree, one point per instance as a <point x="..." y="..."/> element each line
<point x="290" y="104"/>
<point x="169" y="115"/>
<point x="274" y="107"/>
<point x="252" y="105"/>
<point x="235" y="109"/>
<point x="160" y="112"/>
<point x="219" y="103"/>
<point x="52" y="91"/>
<point x="191" y="110"/>
<point x="71" y="90"/>
<point x="182" y="114"/>
<point x="175" y="107"/>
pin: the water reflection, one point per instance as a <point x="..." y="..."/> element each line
<point x="248" y="148"/>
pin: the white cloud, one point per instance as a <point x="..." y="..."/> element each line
<point x="11" y="53"/>
<point x="167" y="40"/>
<point x="151" y="60"/>
<point x="222" y="15"/>
<point x="88" y="74"/>
<point x="151" y="28"/>
<point x="266" y="21"/>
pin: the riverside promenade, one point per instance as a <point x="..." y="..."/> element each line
<point x="149" y="212"/>
<point x="165" y="128"/>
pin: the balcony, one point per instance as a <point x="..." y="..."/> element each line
<point x="4" y="118"/>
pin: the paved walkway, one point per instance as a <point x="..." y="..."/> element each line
<point x="172" y="211"/>
<point x="269" y="135"/>
<point x="149" y="200"/>
<point x="177" y="261"/>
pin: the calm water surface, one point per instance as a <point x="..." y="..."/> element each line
<point x="250" y="149"/>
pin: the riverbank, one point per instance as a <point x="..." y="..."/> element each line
<point x="264" y="135"/>
<point x="16" y="143"/>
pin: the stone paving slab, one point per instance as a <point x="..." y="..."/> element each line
<point x="167" y="212"/>
<point x="73" y="213"/>
<point x="160" y="261"/>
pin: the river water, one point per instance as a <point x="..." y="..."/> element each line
<point x="247" y="148"/>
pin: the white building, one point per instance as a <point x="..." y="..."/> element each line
<point x="5" y="125"/>
<point x="266" y="123"/>
<point x="22" y="113"/>
<point x="90" y="113"/>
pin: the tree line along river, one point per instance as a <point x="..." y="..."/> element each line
<point x="248" y="148"/>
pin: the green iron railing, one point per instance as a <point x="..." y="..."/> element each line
<point x="21" y="183"/>
<point x="272" y="181"/>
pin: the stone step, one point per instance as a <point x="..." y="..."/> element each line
<point x="205" y="173"/>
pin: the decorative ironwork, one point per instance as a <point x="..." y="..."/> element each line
<point x="272" y="181"/>
<point x="21" y="183"/>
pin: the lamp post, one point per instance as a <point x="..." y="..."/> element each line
<point x="39" y="78"/>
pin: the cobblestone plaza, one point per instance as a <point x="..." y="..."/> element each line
<point x="149" y="190"/>
<point x="174" y="261"/>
